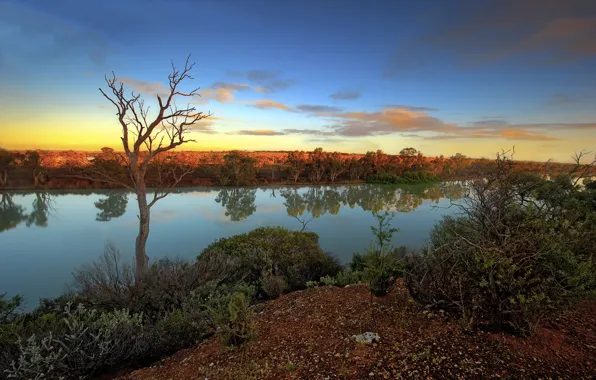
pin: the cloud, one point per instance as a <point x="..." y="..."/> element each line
<point x="325" y="140"/>
<point x="258" y="132"/>
<point x="268" y="81"/>
<point x="536" y="32"/>
<point x="30" y="37"/>
<point x="565" y="100"/>
<point x="146" y="88"/>
<point x="345" y="95"/>
<point x="231" y="86"/>
<point x="421" y="125"/>
<point x="386" y="121"/>
<point x="308" y="108"/>
<point x="204" y="126"/>
<point x="266" y="104"/>
<point x="411" y="108"/>
<point x="223" y="92"/>
<point x="221" y="95"/>
<point x="288" y="131"/>
<point x="507" y="134"/>
<point x="316" y="110"/>
<point x="317" y="132"/>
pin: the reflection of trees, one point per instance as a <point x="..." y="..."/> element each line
<point x="294" y="202"/>
<point x="11" y="214"/>
<point x="112" y="206"/>
<point x="319" y="200"/>
<point x="42" y="207"/>
<point x="454" y="190"/>
<point x="239" y="202"/>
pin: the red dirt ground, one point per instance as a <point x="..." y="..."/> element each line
<point x="308" y="335"/>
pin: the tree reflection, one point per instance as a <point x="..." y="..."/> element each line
<point x="294" y="202"/>
<point x="112" y="206"/>
<point x="42" y="207"/>
<point x="319" y="200"/>
<point x="11" y="214"/>
<point x="239" y="202"/>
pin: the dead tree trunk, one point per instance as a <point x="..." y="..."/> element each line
<point x="165" y="132"/>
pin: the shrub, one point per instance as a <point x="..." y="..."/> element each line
<point x="380" y="265"/>
<point x="273" y="285"/>
<point x="328" y="281"/>
<point x="294" y="255"/>
<point x="109" y="284"/>
<point x="232" y="316"/>
<point x="82" y="343"/>
<point x="312" y="284"/>
<point x="347" y="277"/>
<point x="508" y="259"/>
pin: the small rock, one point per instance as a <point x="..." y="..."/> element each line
<point x="371" y="374"/>
<point x="366" y="338"/>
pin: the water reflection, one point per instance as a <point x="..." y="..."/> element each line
<point x="239" y="202"/>
<point x="112" y="206"/>
<point x="42" y="207"/>
<point x="320" y="200"/>
<point x="12" y="214"/>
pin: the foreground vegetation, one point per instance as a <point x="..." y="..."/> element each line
<point x="519" y="255"/>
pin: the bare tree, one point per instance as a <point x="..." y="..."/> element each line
<point x="144" y="138"/>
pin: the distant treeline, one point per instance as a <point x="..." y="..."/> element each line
<point x="107" y="169"/>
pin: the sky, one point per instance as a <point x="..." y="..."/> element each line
<point x="444" y="77"/>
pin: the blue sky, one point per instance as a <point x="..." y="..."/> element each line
<point x="442" y="76"/>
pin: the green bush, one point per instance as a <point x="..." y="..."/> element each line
<point x="381" y="265"/>
<point x="509" y="258"/>
<point x="273" y="285"/>
<point x="294" y="255"/>
<point x="328" y="281"/>
<point x="231" y="314"/>
<point x="379" y="271"/>
<point x="84" y="342"/>
<point x="347" y="277"/>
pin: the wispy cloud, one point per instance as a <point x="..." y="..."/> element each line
<point x="146" y="88"/>
<point x="258" y="132"/>
<point x="231" y="86"/>
<point x="317" y="109"/>
<point x="537" y="31"/>
<point x="411" y="108"/>
<point x="345" y="95"/>
<point x="267" y="81"/>
<point x="421" y="125"/>
<point x="565" y="99"/>
<point x="316" y="132"/>
<point x="266" y="104"/>
<point x="38" y="38"/>
<point x="204" y="126"/>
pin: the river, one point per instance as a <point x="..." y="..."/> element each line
<point x="45" y="235"/>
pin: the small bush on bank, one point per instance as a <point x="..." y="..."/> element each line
<point x="294" y="255"/>
<point x="273" y="286"/>
<point x="230" y="312"/>
<point x="380" y="266"/>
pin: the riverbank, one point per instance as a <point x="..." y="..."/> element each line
<point x="308" y="334"/>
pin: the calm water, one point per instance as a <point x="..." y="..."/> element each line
<point x="45" y="235"/>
